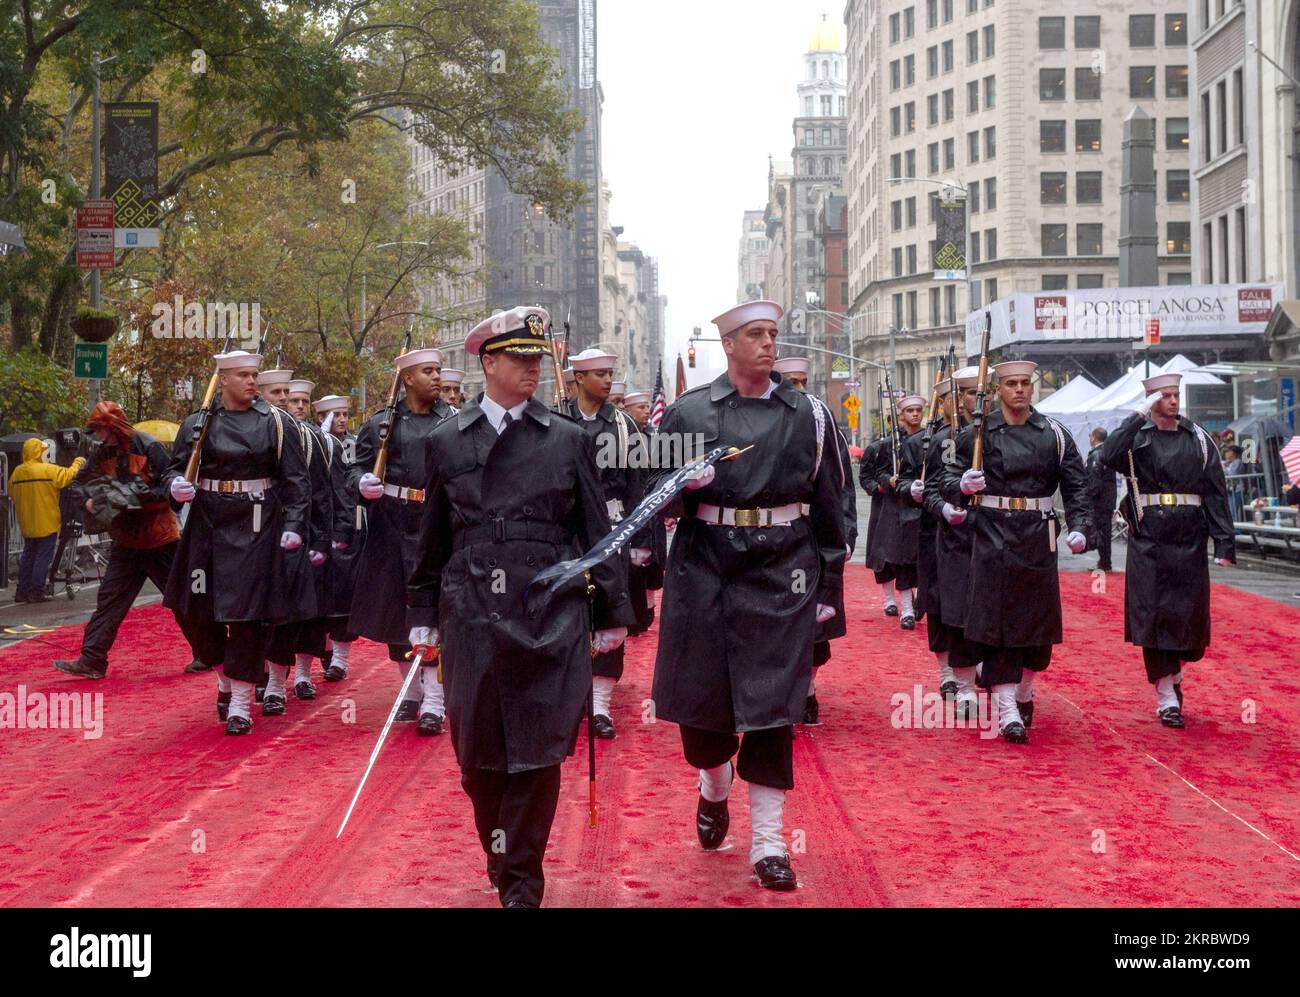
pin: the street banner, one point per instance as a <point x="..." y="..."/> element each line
<point x="131" y="171"/>
<point x="950" y="239"/>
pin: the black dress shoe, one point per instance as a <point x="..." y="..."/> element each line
<point x="259" y="693"/>
<point x="80" y="669"/>
<point x="303" y="689"/>
<point x="774" y="873"/>
<point x="811" y="712"/>
<point x="197" y="666"/>
<point x="602" y="727"/>
<point x="1026" y="712"/>
<point x="516" y="903"/>
<point x="273" y="706"/>
<point x="333" y="673"/>
<point x="1172" y="716"/>
<point x="948" y="690"/>
<point x="238" y="725"/>
<point x="223" y="706"/>
<point x="408" y="712"/>
<point x="1015" y="733"/>
<point x="908" y="622"/>
<point x="891" y="610"/>
<point x="430" y="725"/>
<point x="711" y="823"/>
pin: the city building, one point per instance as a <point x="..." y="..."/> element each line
<point x="751" y="263"/>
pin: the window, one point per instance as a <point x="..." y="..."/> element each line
<point x="1087" y="32"/>
<point x="1087" y="84"/>
<point x="1051" y="188"/>
<point x="1051" y="84"/>
<point x="1179" y="279"/>
<point x="895" y="215"/>
<point x="1054" y="240"/>
<point x="1051" y="32"/>
<point x="973" y="198"/>
<point x="897" y="259"/>
<point x="990" y="142"/>
<point x="1087" y="135"/>
<point x="932" y="109"/>
<point x="896" y="165"/>
<point x="1207" y="132"/>
<point x="910" y="115"/>
<point x="1142" y="30"/>
<point x="910" y="207"/>
<point x="974" y="248"/>
<point x="807" y="107"/>
<point x="991" y="193"/>
<point x="973" y="147"/>
<point x="934" y="305"/>
<point x="991" y="253"/>
<point x="1087" y="188"/>
<point x="1051" y="136"/>
<point x="1142" y="81"/>
<point x="1178" y="186"/>
<point x="1176" y="29"/>
<point x="1055" y="281"/>
<point x="911" y="259"/>
<point x="931" y="13"/>
<point x="909" y="23"/>
<point x="898" y="311"/>
<point x="932" y="157"/>
<point x="909" y="76"/>
<point x="910" y="160"/>
<point x="947" y="57"/>
<point x="1239" y="108"/>
<point x="1088" y="281"/>
<point x="1087" y="237"/>
<point x="893" y="29"/>
<point x="826" y="136"/>
<point x="988" y="41"/>
<point x="911" y="309"/>
<point x="1175" y="133"/>
<point x="973" y="97"/>
<point x="950" y="304"/>
<point x="1241" y="246"/>
<point x="932" y="62"/>
<point x="826" y="107"/>
<point x="947" y="105"/>
<point x="990" y="91"/>
<point x="807" y="136"/>
<point x="972" y="47"/>
<point x="949" y="154"/>
<point x="1178" y="238"/>
<point x="1176" y="81"/>
<point x="947" y="11"/>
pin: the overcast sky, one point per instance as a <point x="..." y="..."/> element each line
<point x="697" y="96"/>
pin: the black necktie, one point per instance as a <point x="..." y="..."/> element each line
<point x="506" y="420"/>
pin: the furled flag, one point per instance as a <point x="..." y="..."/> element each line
<point x="658" y="404"/>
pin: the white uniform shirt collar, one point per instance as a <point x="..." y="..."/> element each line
<point x="495" y="413"/>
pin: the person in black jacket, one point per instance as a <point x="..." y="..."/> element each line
<point x="346" y="542"/>
<point x="1103" y="492"/>
<point x="512" y="489"/>
<point x="898" y="528"/>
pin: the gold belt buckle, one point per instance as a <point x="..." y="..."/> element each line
<point x="226" y="487"/>
<point x="1167" y="499"/>
<point x="747" y="517"/>
<point x="1017" y="504"/>
<point x="415" y="494"/>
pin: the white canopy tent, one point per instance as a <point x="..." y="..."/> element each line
<point x="1077" y="392"/>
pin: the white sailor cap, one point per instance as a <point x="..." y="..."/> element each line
<point x="236" y="359"/>
<point x="333" y="403"/>
<point x="791" y="365"/>
<point x="1160" y="381"/>
<point x="907" y="401"/>
<point x="618" y="388"/>
<point x="450" y="375"/>
<point x="1015" y="368"/>
<point x="967" y="377"/>
<point x="418" y="358"/>
<point x="301" y="387"/>
<point x="520" y="330"/>
<point x="267" y="377"/>
<point x="751" y="311"/>
<point x="593" y="359"/>
<point x="636" y="398"/>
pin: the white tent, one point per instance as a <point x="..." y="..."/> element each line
<point x="1076" y="393"/>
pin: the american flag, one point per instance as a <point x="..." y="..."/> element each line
<point x="658" y="403"/>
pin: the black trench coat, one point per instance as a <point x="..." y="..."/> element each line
<point x="946" y="594"/>
<point x="248" y="577"/>
<point x="1166" y="574"/>
<point x="738" y="619"/>
<point x="927" y="566"/>
<point x="516" y="678"/>
<point x="342" y="564"/>
<point x="837" y="625"/>
<point x="1014" y="592"/>
<point x="872" y="454"/>
<point x="898" y="529"/>
<point x="392" y="524"/>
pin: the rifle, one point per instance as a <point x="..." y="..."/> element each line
<point x="561" y="393"/>
<point x="955" y="424"/>
<point x="928" y="433"/>
<point x="390" y="413"/>
<point x="977" y="417"/>
<point x="200" y="431"/>
<point x="893" y="423"/>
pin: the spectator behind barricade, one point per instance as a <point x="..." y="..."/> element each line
<point x="1234" y="465"/>
<point x="35" y="488"/>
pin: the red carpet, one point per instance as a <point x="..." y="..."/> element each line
<point x="1104" y="807"/>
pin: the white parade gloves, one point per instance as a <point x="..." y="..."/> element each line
<point x="972" y="482"/>
<point x="1076" y="541"/>
<point x="422" y="636"/>
<point x="316" y="557"/>
<point x="290" y="540"/>
<point x="339" y="544"/>
<point x="182" y="490"/>
<point x="700" y="478"/>
<point x="1148" y="403"/>
<point x="327" y="423"/>
<point x="370" y="487"/>
<point x="824" y="612"/>
<point x="640" y="556"/>
<point x="954" y="515"/>
<point x="1223" y="562"/>
<point x="917" y="490"/>
<point x="609" y="640"/>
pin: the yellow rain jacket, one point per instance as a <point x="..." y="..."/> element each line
<point x="35" y="487"/>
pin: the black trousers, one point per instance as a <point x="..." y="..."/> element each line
<point x="1101" y="529"/>
<point x="301" y="637"/>
<point x="513" y="814"/>
<point x="1004" y="665"/>
<point x="766" y="756"/>
<point x="337" y="628"/>
<point x="902" y="575"/>
<point x="127" y="571"/>
<point x="1160" y="662"/>
<point x="240" y="648"/>
<point x="610" y="664"/>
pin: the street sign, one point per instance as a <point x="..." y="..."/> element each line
<point x="853" y="420"/>
<point x="851" y="404"/>
<point x="90" y="361"/>
<point x="852" y="384"/>
<point x="95" y="236"/>
<point x="1151" y="334"/>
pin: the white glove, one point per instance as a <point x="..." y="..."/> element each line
<point x="700" y="478"/>
<point x="290" y="540"/>
<point x="339" y="544"/>
<point x="370" y="487"/>
<point x="917" y="490"/>
<point x="640" y="556"/>
<point x="609" y="640"/>
<point x="427" y="636"/>
<point x="1148" y="403"/>
<point x="824" y="612"/>
<point x="1076" y="541"/>
<point x="316" y="557"/>
<point x="327" y="423"/>
<point x="954" y="515"/>
<point x="1223" y="562"/>
<point x="182" y="490"/>
<point x="972" y="482"/>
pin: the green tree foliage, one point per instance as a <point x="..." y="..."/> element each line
<point x="38" y="395"/>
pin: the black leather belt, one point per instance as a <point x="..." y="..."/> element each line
<point x="500" y="530"/>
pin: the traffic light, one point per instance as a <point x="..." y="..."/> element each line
<point x="690" y="355"/>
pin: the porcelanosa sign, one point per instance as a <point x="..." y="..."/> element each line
<point x="1126" y="313"/>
